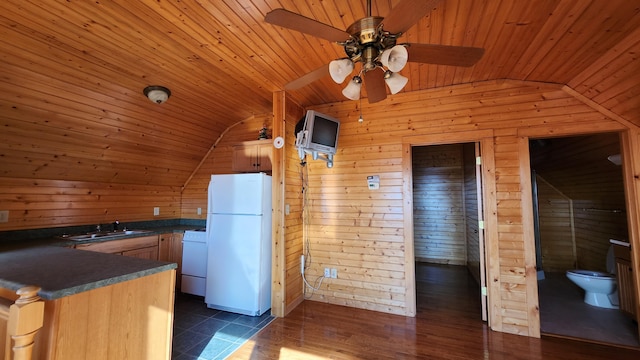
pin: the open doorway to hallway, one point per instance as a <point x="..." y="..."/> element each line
<point x="448" y="241"/>
<point x="579" y="205"/>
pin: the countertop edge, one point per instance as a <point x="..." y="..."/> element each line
<point x="48" y="267"/>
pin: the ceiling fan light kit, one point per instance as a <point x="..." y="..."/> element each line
<point x="395" y="81"/>
<point x="371" y="41"/>
<point x="340" y="69"/>
<point x="352" y="91"/>
<point x="395" y="58"/>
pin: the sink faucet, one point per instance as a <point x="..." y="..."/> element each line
<point x="115" y="225"/>
<point x="98" y="228"/>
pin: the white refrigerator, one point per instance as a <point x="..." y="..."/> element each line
<point x="239" y="243"/>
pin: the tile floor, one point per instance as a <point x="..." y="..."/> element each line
<point x="200" y="333"/>
<point x="564" y="312"/>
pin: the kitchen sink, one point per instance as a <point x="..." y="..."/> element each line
<point x="103" y="234"/>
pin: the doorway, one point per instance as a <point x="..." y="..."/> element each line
<point x="448" y="237"/>
<point x="579" y="193"/>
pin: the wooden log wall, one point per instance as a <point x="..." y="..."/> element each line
<point x="471" y="210"/>
<point x="42" y="203"/>
<point x="438" y="205"/>
<point x="360" y="232"/>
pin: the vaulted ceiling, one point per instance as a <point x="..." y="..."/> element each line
<point x="73" y="71"/>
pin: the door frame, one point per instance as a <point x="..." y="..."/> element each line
<point x="629" y="146"/>
<point x="485" y="139"/>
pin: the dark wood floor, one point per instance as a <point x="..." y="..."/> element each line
<point x="447" y="326"/>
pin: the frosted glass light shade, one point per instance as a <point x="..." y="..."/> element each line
<point x="340" y="69"/>
<point x="352" y="91"/>
<point x="395" y="82"/>
<point x="156" y="93"/>
<point x="395" y="58"/>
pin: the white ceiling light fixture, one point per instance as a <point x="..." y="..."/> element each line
<point x="156" y="93"/>
<point x="340" y="69"/>
<point x="395" y="81"/>
<point x="352" y="91"/>
<point x="395" y="58"/>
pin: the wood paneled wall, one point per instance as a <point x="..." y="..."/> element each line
<point x="218" y="161"/>
<point x="557" y="230"/>
<point x="294" y="227"/>
<point x="360" y="232"/>
<point x="41" y="203"/>
<point x="438" y="205"/>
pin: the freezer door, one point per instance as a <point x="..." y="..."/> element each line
<point x="235" y="278"/>
<point x="237" y="194"/>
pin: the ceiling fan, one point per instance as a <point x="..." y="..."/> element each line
<point x="372" y="42"/>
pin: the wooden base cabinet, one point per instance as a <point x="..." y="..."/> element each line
<point x="144" y="247"/>
<point x="128" y="320"/>
<point x="626" y="287"/>
<point x="170" y="250"/>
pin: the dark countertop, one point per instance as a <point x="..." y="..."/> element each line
<point x="61" y="271"/>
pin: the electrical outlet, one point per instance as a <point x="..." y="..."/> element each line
<point x="4" y="216"/>
<point x="199" y="211"/>
<point x="334" y="273"/>
<point x="327" y="272"/>
<point x="156" y="211"/>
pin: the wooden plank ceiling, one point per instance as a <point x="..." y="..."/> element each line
<point x="72" y="108"/>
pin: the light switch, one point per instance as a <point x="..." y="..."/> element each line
<point x="156" y="211"/>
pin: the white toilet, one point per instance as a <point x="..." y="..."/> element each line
<point x="600" y="288"/>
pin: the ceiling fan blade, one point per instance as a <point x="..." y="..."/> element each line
<point x="307" y="79"/>
<point x="406" y="14"/>
<point x="444" y="54"/>
<point x="303" y="24"/>
<point x="375" y="85"/>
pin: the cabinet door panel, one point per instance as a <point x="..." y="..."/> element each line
<point x="625" y="287"/>
<point x="119" y="246"/>
<point x="244" y="158"/>
<point x="264" y="157"/>
<point x="150" y="253"/>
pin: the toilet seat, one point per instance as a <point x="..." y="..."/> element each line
<point x="591" y="273"/>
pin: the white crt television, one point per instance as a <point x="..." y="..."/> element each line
<point x="319" y="134"/>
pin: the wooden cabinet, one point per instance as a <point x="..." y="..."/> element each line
<point x="252" y="156"/>
<point x="170" y="250"/>
<point x="625" y="287"/>
<point x="624" y="274"/>
<point x="145" y="247"/>
<point x="126" y="320"/>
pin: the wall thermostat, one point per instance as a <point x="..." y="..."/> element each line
<point x="373" y="181"/>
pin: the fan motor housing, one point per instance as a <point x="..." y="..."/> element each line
<point x="365" y="29"/>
